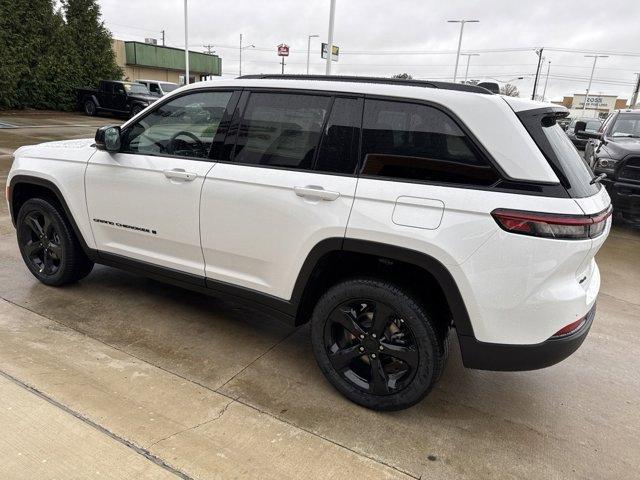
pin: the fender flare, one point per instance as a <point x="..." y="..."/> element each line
<point x="459" y="312"/>
<point x="52" y="187"/>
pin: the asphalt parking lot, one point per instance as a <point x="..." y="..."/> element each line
<point x="123" y="377"/>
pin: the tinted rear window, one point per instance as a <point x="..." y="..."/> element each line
<point x="573" y="171"/>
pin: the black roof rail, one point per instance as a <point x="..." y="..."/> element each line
<point x="390" y="81"/>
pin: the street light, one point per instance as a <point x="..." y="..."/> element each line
<point x="332" y="14"/>
<point x="505" y="81"/>
<point x="186" y="45"/>
<point x="469" y="55"/>
<point x="240" y="50"/>
<point x="309" y="49"/>
<point x="461" y="22"/>
<point x="595" y="59"/>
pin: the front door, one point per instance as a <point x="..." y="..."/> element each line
<point x="144" y="201"/>
<point x="289" y="185"/>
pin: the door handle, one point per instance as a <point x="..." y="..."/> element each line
<point x="316" y="192"/>
<point x="180" y="174"/>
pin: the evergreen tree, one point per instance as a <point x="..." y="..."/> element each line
<point x="93" y="56"/>
<point x="26" y="28"/>
<point x="46" y="54"/>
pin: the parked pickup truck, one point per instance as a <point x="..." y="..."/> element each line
<point x="124" y="98"/>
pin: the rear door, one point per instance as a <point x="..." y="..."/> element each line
<point x="289" y="184"/>
<point x="144" y="201"/>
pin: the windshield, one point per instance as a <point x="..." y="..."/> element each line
<point x="136" y="88"/>
<point x="626" y="125"/>
<point x="168" y="87"/>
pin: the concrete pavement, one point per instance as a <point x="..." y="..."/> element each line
<point x="203" y="388"/>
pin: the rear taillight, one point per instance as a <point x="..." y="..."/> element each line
<point x="571" y="328"/>
<point x="552" y="225"/>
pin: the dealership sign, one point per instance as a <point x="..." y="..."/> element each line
<point x="335" y="51"/>
<point x="595" y="102"/>
<point x="283" y="50"/>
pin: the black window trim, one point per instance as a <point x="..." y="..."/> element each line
<point x="233" y="101"/>
<point x="239" y="115"/>
<point x="505" y="183"/>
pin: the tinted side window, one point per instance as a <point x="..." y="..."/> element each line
<point x="153" y="87"/>
<point x="183" y="127"/>
<point x="281" y="130"/>
<point x="339" y="146"/>
<point x="419" y="143"/>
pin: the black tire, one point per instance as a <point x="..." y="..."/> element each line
<point x="366" y="367"/>
<point x="136" y="109"/>
<point x="48" y="245"/>
<point x="90" y="108"/>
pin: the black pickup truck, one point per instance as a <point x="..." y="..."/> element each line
<point x="615" y="151"/>
<point x="122" y="98"/>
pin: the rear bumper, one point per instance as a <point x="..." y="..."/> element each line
<point x="625" y="198"/>
<point x="504" y="357"/>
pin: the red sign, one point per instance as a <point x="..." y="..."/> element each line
<point x="283" y="50"/>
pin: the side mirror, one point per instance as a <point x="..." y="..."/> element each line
<point x="579" y="131"/>
<point x="108" y="138"/>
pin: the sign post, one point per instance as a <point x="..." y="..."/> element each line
<point x="283" y="51"/>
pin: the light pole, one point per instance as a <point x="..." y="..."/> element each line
<point x="186" y="45"/>
<point x="468" y="55"/>
<point x="461" y="22"/>
<point x="546" y="81"/>
<point x="240" y="50"/>
<point x="332" y="14"/>
<point x="595" y="60"/>
<point x="309" y="49"/>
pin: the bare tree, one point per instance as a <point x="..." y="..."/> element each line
<point x="403" y="76"/>
<point x="509" y="90"/>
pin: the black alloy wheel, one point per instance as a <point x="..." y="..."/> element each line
<point x="376" y="343"/>
<point x="371" y="346"/>
<point x="48" y="245"/>
<point x="40" y="243"/>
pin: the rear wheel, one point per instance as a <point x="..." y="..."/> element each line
<point x="376" y="344"/>
<point x="136" y="109"/>
<point x="48" y="245"/>
<point x="90" y="108"/>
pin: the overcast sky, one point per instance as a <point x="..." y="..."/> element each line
<point x="379" y="37"/>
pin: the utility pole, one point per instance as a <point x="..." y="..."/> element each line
<point x="186" y="45"/>
<point x="468" y="55"/>
<point x="240" y="50"/>
<point x="595" y="60"/>
<point x="332" y="14"/>
<point x="209" y="48"/>
<point x="461" y="22"/>
<point x="309" y="49"/>
<point x="546" y="82"/>
<point x="634" y="97"/>
<point x="535" y="82"/>
<point x="162" y="37"/>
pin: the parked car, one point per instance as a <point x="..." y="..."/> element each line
<point x="158" y="88"/>
<point x="564" y="122"/>
<point x="382" y="211"/>
<point x="116" y="97"/>
<point x="615" y="151"/>
<point x="592" y="126"/>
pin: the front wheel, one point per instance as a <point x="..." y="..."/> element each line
<point x="48" y="245"/>
<point x="90" y="108"/>
<point x="376" y="344"/>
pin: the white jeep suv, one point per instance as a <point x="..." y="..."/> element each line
<point x="383" y="211"/>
